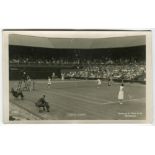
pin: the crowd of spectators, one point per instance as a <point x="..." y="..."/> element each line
<point x="73" y="61"/>
<point x="43" y="60"/>
<point x="127" y="68"/>
<point x="127" y="72"/>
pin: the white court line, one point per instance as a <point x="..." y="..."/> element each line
<point x="126" y="100"/>
<point x="84" y="96"/>
<point x="76" y="97"/>
<point x="65" y="81"/>
<point x="92" y="102"/>
<point x="77" y="81"/>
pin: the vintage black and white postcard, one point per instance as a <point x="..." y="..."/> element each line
<point x="77" y="76"/>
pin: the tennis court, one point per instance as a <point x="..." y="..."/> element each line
<point x="82" y="100"/>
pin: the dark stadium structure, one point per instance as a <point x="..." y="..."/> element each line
<point x="41" y="62"/>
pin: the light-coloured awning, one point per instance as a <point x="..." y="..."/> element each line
<point x="77" y="40"/>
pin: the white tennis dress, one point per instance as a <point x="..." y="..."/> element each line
<point x="62" y="76"/>
<point x="121" y="93"/>
<point x="49" y="81"/>
<point x="99" y="82"/>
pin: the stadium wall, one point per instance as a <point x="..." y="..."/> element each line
<point x="15" y="72"/>
<point x="42" y="72"/>
<point x="36" y="71"/>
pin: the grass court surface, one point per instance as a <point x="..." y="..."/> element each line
<point x="82" y="100"/>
